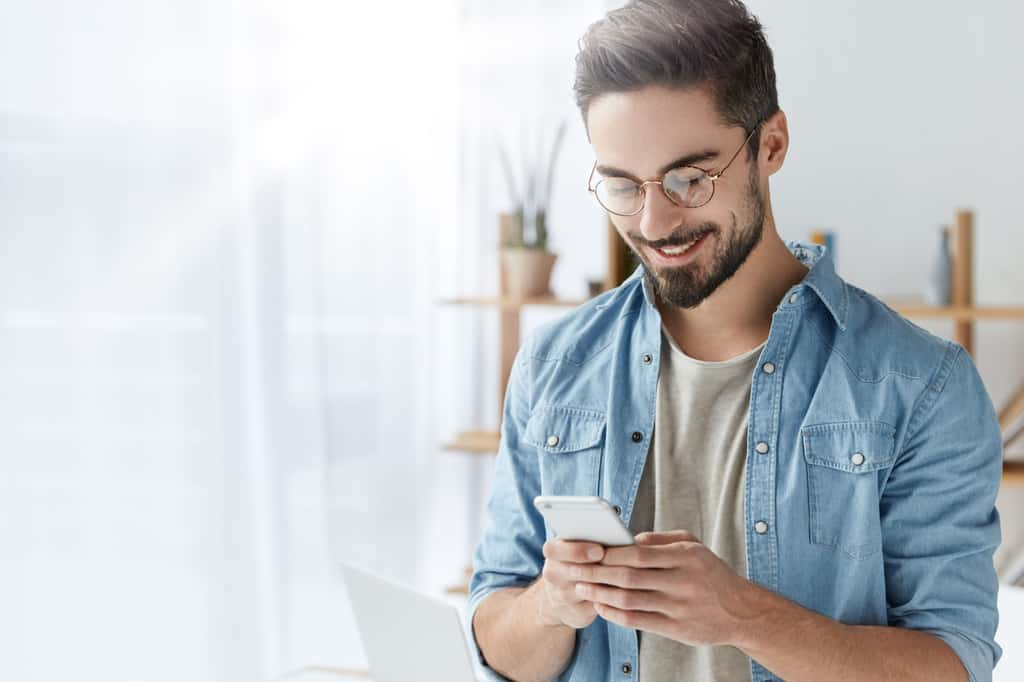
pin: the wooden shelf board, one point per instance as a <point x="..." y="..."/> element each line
<point x="330" y="670"/>
<point x="959" y="312"/>
<point x="1013" y="472"/>
<point x="510" y="302"/>
<point x="475" y="442"/>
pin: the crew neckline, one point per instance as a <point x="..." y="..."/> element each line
<point x="710" y="364"/>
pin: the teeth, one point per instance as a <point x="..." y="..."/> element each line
<point x="676" y="250"/>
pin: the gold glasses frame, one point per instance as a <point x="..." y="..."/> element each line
<point x="660" y="181"/>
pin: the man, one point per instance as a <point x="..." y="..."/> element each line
<point x="819" y="473"/>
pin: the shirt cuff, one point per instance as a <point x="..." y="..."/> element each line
<point x="977" y="661"/>
<point x="484" y="671"/>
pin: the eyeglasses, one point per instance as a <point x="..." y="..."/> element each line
<point x="687" y="186"/>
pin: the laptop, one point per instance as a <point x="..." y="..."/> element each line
<point x="407" y="636"/>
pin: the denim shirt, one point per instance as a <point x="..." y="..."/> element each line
<point x="873" y="502"/>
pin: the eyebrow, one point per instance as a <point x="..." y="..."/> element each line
<point x="688" y="160"/>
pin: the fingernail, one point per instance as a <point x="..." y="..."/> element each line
<point x="594" y="553"/>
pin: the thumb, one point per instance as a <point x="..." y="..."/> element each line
<point x="665" y="537"/>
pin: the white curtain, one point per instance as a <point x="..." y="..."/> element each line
<point x="225" y="229"/>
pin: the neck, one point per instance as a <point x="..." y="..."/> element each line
<point x="737" y="316"/>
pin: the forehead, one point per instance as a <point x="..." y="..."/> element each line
<point x="643" y="130"/>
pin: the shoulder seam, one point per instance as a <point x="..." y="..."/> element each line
<point x="932" y="389"/>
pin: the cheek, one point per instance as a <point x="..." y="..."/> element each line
<point x="626" y="226"/>
<point x="719" y="218"/>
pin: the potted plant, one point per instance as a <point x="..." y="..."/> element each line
<point x="526" y="262"/>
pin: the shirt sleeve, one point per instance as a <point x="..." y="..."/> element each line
<point x="510" y="551"/>
<point x="940" y="526"/>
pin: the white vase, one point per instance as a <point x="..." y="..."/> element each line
<point x="527" y="271"/>
<point x="939" y="278"/>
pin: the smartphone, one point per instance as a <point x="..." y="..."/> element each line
<point x="590" y="519"/>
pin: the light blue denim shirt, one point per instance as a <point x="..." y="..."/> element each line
<point x="873" y="504"/>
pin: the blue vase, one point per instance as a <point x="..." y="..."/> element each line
<point x="941" y="275"/>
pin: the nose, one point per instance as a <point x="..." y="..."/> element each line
<point x="659" y="217"/>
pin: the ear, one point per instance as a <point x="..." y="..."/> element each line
<point x="774" y="143"/>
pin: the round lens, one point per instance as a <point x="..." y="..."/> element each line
<point x="688" y="186"/>
<point x="618" y="195"/>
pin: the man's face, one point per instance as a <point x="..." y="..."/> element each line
<point x="643" y="132"/>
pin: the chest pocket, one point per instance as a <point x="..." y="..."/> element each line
<point x="569" y="443"/>
<point x="845" y="464"/>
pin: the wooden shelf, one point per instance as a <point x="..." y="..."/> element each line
<point x="462" y="588"/>
<point x="512" y="302"/>
<point x="960" y="313"/>
<point x="906" y="308"/>
<point x="475" y="442"/>
<point x="1013" y="472"/>
<point x="330" y="670"/>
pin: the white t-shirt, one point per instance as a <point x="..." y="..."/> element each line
<point x="693" y="480"/>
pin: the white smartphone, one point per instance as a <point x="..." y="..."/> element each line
<point x="591" y="519"/>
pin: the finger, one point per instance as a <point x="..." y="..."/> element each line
<point x="561" y="591"/>
<point x="647" y="556"/>
<point x="627" y="577"/>
<point x="628" y="600"/>
<point x="580" y="615"/>
<point x="648" y="621"/>
<point x="563" y="575"/>
<point x="568" y="595"/>
<point x="666" y="537"/>
<point x="571" y="550"/>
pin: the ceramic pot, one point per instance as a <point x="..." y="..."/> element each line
<point x="527" y="271"/>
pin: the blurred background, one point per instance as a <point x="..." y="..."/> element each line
<point x="249" y="291"/>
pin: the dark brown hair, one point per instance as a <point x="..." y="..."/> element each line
<point x="681" y="44"/>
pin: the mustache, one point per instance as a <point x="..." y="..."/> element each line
<point x="678" y="238"/>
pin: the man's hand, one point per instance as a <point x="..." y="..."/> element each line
<point x="559" y="603"/>
<point x="669" y="584"/>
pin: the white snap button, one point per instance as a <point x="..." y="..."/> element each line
<point x="761" y="527"/>
<point x="552" y="441"/>
<point x="857" y="458"/>
<point x="793" y="298"/>
<point x="762" y="447"/>
<point x="768" y="368"/>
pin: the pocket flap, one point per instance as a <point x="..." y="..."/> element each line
<point x="564" y="429"/>
<point x="857" y="446"/>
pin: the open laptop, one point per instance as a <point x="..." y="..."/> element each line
<point x="407" y="636"/>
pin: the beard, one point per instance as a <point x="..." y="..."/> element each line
<point x="687" y="286"/>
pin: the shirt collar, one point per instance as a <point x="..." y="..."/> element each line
<point x="821" y="278"/>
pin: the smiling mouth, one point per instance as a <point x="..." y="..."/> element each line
<point x="680" y="250"/>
